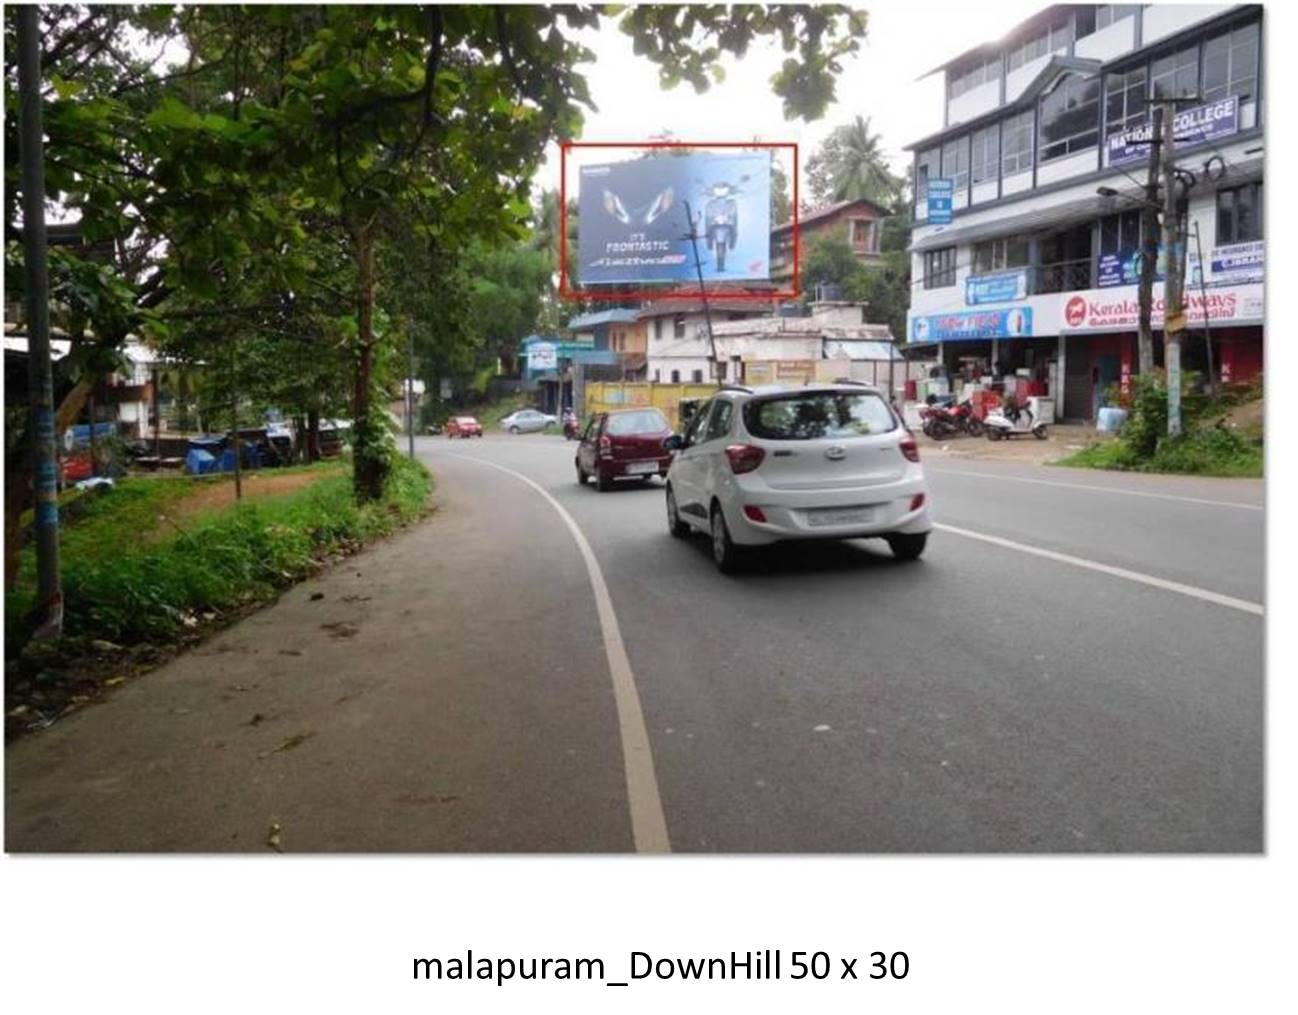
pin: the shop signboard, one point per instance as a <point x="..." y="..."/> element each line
<point x="996" y="288"/>
<point x="1238" y="262"/>
<point x="542" y="356"/>
<point x="1104" y="310"/>
<point x="1122" y="268"/>
<point x="634" y="229"/>
<point x="969" y="325"/>
<point x="1191" y="126"/>
<point x="940" y="193"/>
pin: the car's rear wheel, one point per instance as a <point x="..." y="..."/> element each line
<point x="725" y="553"/>
<point x="675" y="526"/>
<point x="906" y="546"/>
<point x="514" y="430"/>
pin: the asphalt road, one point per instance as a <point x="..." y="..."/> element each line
<point x="986" y="698"/>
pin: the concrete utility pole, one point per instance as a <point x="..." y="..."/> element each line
<point x="1173" y="316"/>
<point x="1149" y="251"/>
<point x="410" y="387"/>
<point x="707" y="312"/>
<point x="48" y="612"/>
<point x="1203" y="293"/>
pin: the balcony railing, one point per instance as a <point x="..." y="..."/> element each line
<point x="1062" y="276"/>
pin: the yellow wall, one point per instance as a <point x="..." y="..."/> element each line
<point x="607" y="396"/>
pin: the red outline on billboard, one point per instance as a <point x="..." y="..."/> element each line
<point x="679" y="293"/>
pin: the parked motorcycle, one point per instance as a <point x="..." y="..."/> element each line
<point x="941" y="421"/>
<point x="1012" y="420"/>
<point x="571" y="426"/>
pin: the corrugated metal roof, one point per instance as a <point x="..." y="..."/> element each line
<point x="615" y="316"/>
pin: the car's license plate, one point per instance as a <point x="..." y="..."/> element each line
<point x="825" y="517"/>
<point x="639" y="468"/>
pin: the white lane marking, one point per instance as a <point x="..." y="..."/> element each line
<point x="1206" y="595"/>
<point x="1100" y="489"/>
<point x="648" y="823"/>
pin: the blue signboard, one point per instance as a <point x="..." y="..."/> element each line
<point x="940" y="193"/>
<point x="1238" y="262"/>
<point x="1191" y="126"/>
<point x="634" y="228"/>
<point x="997" y="288"/>
<point x="967" y="325"/>
<point x="1122" y="268"/>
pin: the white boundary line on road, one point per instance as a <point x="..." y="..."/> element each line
<point x="648" y="823"/>
<point x="1117" y="572"/>
<point x="1101" y="489"/>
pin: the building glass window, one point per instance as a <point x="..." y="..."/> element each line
<point x="1119" y="233"/>
<point x="1239" y="214"/>
<point x="1017" y="143"/>
<point x="678" y="326"/>
<point x="1124" y="101"/>
<point x="927" y="167"/>
<point x="1230" y="64"/>
<point x="658" y="328"/>
<point x="862" y="236"/>
<point x="1000" y="254"/>
<point x="698" y="376"/>
<point x="939" y="268"/>
<point x="986" y="154"/>
<point x="1176" y="75"/>
<point x="1068" y="117"/>
<point x="676" y="377"/>
<point x="955" y="162"/>
<point x="971" y="77"/>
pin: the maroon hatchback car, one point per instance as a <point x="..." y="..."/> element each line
<point x="627" y="444"/>
<point x="463" y="426"/>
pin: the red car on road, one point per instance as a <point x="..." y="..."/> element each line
<point x="463" y="426"/>
<point x="627" y="444"/>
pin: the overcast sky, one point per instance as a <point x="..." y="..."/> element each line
<point x="905" y="40"/>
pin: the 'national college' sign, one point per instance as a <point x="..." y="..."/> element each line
<point x="1191" y="126"/>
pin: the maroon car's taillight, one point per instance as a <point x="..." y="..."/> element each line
<point x="605" y="447"/>
<point x="910" y="449"/>
<point x="744" y="457"/>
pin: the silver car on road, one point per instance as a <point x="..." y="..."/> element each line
<point x="527" y="421"/>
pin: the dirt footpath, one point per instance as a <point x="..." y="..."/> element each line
<point x="256" y="485"/>
<point x="1064" y="440"/>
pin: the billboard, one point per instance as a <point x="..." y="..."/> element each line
<point x="634" y="228"/>
<point x="997" y="288"/>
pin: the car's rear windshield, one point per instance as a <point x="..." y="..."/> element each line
<point x="816" y="414"/>
<point x="466" y="421"/>
<point x="649" y="421"/>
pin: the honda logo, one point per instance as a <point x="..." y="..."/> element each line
<point x="835" y="451"/>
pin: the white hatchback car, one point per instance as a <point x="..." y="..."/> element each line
<point x="758" y="466"/>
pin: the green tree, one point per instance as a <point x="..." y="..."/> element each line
<point x="849" y="166"/>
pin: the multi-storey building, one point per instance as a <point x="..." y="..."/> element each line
<point x="1037" y="267"/>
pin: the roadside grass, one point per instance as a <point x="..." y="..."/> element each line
<point x="1210" y="451"/>
<point x="124" y="588"/>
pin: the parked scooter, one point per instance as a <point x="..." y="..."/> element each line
<point x="1013" y="420"/>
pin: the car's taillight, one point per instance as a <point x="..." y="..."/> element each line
<point x="605" y="447"/>
<point x="917" y="502"/>
<point x="744" y="457"/>
<point x="910" y="449"/>
<point x="754" y="513"/>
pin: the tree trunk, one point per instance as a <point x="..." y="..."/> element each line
<point x="313" y="435"/>
<point x="18" y="478"/>
<point x="368" y="467"/>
